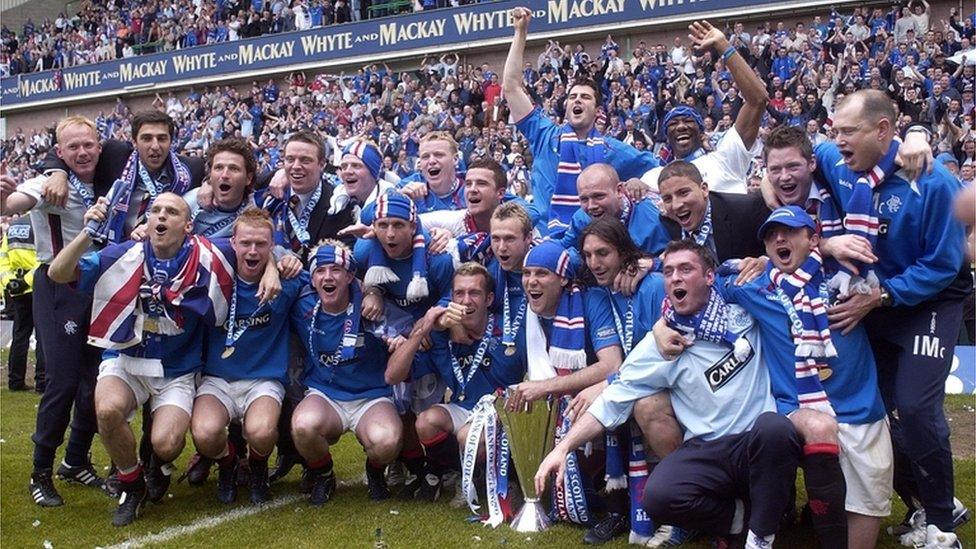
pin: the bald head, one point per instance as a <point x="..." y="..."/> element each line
<point x="600" y="191"/>
<point x="865" y="124"/>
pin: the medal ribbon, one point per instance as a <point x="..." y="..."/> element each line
<point x="87" y="196"/>
<point x="625" y="330"/>
<point x="336" y="355"/>
<point x="300" y="224"/>
<point x="479" y="355"/>
<point x="233" y="331"/>
<point x="509" y="328"/>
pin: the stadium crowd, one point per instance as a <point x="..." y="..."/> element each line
<point x="805" y="65"/>
<point x="103" y="30"/>
<point x="715" y="259"/>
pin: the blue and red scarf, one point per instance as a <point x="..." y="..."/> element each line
<point x="574" y="155"/>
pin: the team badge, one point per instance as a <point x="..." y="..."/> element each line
<point x="70" y="327"/>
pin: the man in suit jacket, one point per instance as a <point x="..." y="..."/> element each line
<point x="308" y="197"/>
<point x="153" y="133"/>
<point x="726" y="224"/>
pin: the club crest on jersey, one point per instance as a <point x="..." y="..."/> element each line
<point x="726" y="368"/>
<point x="893" y="204"/>
<point x="739" y="319"/>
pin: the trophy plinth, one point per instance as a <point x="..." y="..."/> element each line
<point x="531" y="433"/>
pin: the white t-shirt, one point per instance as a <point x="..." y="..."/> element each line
<point x="724" y="169"/>
<point x="45" y="218"/>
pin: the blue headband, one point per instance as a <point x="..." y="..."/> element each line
<point x="368" y="153"/>
<point x="683" y="111"/>
<point x="328" y="254"/>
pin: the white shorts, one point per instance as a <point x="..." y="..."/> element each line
<point x="237" y="396"/>
<point x="164" y="391"/>
<point x="349" y="411"/>
<point x="459" y="416"/>
<point x="867" y="462"/>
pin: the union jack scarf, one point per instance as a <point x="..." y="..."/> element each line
<point x="112" y="230"/>
<point x="799" y="293"/>
<point x="574" y="155"/>
<point x="860" y="218"/>
<point x="202" y="287"/>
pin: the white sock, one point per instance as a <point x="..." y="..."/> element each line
<point x="755" y="541"/>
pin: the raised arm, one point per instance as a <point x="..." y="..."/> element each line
<point x="519" y="102"/>
<point x="754" y="95"/>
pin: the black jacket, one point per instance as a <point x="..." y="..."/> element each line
<point x="735" y="223"/>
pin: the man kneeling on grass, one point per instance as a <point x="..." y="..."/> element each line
<point x="151" y="302"/>
<point x="344" y="373"/>
<point x="467" y="353"/>
<point x="246" y="362"/>
<point x="737" y="451"/>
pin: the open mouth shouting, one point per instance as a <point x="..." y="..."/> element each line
<point x="678" y="295"/>
<point x="784" y="254"/>
<point x="160" y="229"/>
<point x="224" y="187"/>
<point x="329" y="289"/>
<point x="252" y="262"/>
<point x="535" y="296"/>
<point x="684" y="218"/>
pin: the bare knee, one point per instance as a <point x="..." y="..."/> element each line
<point x="260" y="431"/>
<point x="110" y="413"/>
<point x="815" y="427"/>
<point x="305" y="427"/>
<point x="426" y="426"/>
<point x="168" y="445"/>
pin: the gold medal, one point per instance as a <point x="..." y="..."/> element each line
<point x="509" y="350"/>
<point x="825" y="372"/>
<point x="150" y="325"/>
<point x="227" y="352"/>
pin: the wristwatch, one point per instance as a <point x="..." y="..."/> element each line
<point x="886" y="299"/>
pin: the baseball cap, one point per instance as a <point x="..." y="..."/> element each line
<point x="791" y="216"/>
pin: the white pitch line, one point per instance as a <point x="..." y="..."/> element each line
<point x="174" y="532"/>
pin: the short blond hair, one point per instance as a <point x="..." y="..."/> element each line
<point x="254" y="217"/>
<point x="513" y="210"/>
<point x="74" y="120"/>
<point x="441" y="136"/>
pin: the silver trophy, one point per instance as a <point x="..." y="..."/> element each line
<point x="531" y="434"/>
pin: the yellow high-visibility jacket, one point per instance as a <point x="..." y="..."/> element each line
<point x="18" y="258"/>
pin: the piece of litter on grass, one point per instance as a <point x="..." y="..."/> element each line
<point x="2" y="440"/>
<point x="528" y="538"/>
<point x="394" y="512"/>
<point x="48" y="545"/>
<point x="36" y="523"/>
<point x="476" y="538"/>
<point x="169" y="496"/>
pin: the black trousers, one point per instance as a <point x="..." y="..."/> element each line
<point x="914" y="347"/>
<point x="696" y="486"/>
<point x="23" y="317"/>
<point x="62" y="316"/>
